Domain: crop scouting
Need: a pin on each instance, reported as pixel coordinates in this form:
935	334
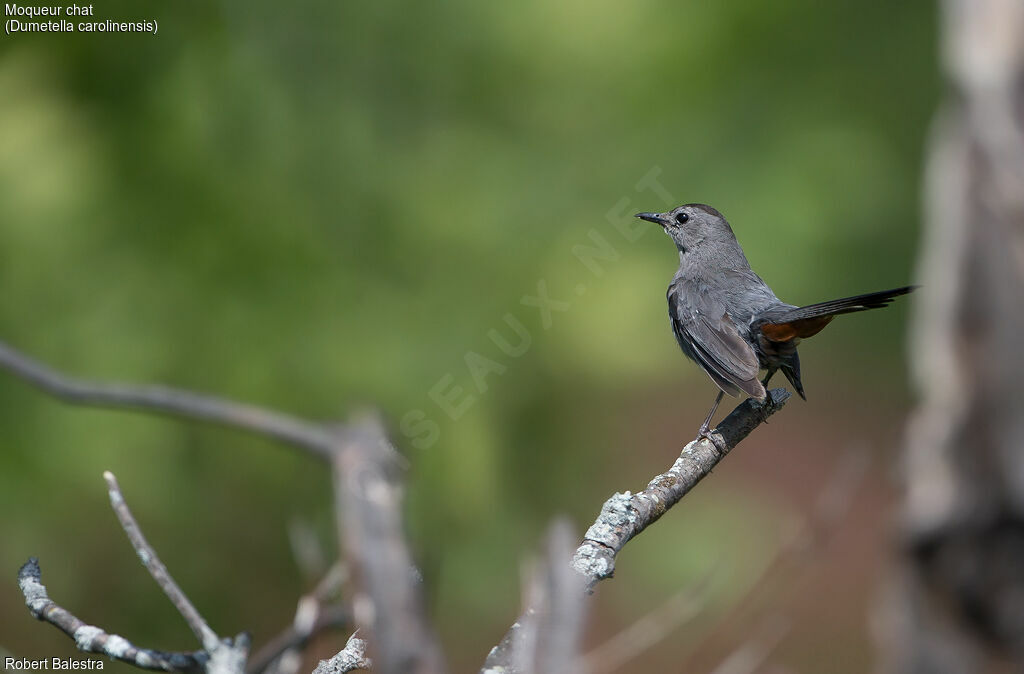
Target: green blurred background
322	206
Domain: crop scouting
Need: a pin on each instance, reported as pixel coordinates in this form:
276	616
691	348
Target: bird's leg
768	396
704	427
764	382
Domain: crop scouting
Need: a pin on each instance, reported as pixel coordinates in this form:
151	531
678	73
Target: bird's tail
808	321
847	305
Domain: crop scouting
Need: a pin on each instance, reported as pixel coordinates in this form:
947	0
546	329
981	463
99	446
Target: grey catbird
726	319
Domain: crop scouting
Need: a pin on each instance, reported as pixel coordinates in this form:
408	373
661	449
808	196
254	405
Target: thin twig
330	617
315	438
207	637
391	587
92	639
311	618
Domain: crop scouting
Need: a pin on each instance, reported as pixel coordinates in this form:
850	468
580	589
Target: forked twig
147	555
92	639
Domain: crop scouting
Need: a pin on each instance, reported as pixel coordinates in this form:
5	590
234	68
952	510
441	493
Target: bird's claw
766	407
705	433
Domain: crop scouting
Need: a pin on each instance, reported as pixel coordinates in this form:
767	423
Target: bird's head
692	225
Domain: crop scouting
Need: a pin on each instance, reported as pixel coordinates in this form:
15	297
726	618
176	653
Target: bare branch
348	659
311	618
625	515
294	638
561	622
221	656
307	549
315	438
799	542
92	639
207	637
368	501
547	636
389	601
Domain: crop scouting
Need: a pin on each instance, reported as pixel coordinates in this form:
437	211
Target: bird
726	318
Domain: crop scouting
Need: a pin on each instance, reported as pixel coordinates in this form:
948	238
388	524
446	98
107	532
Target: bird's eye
681	218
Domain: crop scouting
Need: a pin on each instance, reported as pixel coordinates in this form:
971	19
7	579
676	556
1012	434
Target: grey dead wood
550	630
348	659
389	599
283	653
307	435
92	639
295	639
562	611
219	656
625	515
956	602
147	555
368	500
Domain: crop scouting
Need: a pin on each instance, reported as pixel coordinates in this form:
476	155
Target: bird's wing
707	334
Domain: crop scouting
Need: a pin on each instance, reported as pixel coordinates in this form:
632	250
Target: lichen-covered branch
219	656
625	514
368	496
348	659
92	639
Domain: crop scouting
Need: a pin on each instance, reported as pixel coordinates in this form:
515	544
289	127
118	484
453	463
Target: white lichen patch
35	593
117	647
85	636
617	513
590	563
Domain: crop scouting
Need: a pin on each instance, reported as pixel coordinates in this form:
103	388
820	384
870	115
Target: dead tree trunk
959	606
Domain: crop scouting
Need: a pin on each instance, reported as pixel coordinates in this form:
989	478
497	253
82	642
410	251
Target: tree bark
958	604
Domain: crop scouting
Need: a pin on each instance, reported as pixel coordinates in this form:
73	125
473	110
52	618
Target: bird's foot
705	433
766	407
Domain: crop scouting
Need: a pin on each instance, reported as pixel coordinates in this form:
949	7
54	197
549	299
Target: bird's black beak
652	217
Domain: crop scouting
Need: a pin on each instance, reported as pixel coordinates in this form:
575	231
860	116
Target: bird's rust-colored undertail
806	327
